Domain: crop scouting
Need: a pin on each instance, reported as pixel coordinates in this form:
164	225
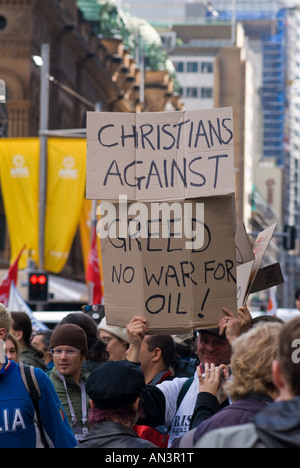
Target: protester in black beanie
115	389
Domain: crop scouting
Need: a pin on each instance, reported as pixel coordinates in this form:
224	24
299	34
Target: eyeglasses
68	352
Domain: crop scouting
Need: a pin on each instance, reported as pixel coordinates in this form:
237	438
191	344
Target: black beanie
115	384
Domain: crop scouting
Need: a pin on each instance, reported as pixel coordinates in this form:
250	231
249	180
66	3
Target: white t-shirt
178	422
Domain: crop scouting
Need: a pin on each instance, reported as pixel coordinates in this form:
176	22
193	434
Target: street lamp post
44	122
233	22
3	114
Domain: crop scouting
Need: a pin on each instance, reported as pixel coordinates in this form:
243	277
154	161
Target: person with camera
250	386
277	424
173	402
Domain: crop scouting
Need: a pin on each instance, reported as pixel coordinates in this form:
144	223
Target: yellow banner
65	194
19	175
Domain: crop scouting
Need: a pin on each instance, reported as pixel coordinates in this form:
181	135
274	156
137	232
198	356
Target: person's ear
136	404
277	375
18	334
156	355
2	333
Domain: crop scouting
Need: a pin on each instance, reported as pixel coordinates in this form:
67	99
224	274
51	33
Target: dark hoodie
278	426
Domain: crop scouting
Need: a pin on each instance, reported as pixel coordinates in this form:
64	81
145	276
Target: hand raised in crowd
209	380
234	326
136	330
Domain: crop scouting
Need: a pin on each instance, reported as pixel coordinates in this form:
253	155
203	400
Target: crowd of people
89	385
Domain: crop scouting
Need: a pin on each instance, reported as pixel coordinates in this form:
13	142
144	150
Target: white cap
119	332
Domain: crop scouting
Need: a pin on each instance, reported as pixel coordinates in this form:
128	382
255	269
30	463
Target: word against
165	173
296	353
158	223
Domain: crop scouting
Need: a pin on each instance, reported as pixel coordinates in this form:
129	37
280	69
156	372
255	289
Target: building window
207	67
2	92
179	67
191	92
3	22
206	93
192	67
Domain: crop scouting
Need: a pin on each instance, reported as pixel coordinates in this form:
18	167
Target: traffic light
38	286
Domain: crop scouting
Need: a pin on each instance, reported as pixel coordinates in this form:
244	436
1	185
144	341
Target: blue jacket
17	415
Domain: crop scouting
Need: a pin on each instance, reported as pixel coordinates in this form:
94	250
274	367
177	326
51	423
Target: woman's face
117	348
10	350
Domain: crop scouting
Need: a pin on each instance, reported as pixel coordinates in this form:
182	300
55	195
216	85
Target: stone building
77	59
86	68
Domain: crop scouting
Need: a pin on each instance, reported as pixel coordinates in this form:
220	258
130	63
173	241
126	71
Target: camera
222	376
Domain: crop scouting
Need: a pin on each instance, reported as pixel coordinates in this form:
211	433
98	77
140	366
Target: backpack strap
30	382
184	391
32	387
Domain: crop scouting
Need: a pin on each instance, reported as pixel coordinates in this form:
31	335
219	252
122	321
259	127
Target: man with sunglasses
68	347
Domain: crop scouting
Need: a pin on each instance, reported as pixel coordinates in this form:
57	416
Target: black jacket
278	426
111	434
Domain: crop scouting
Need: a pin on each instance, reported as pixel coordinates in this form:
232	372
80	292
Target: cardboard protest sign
259	249
245	260
267	277
174	288
250	277
243	273
243	245
160	155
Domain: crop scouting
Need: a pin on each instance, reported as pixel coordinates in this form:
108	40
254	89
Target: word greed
146	226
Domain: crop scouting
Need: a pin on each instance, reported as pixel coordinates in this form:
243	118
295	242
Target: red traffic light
41	279
33	279
38	287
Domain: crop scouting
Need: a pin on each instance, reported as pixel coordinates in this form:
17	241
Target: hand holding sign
136	330
234	326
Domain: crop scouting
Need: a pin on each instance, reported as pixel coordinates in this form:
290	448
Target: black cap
115	384
214	331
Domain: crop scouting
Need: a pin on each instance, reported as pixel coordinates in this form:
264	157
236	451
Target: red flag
93	271
12	275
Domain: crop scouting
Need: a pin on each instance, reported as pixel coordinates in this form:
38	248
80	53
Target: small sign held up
251	277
